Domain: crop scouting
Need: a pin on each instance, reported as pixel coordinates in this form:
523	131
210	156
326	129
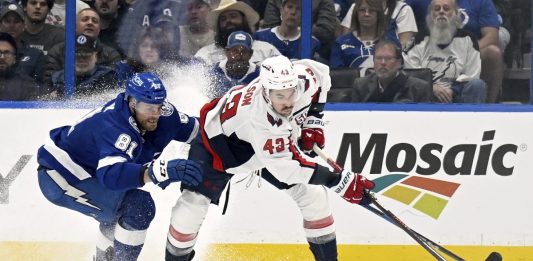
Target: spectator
389	83
196	33
324	21
30	60
37	34
14	85
401	20
236	69
503	7
57	13
110	21
170	28
87	23
91	79
142	14
286	37
452	54
480	18
354	49
228	17
151	51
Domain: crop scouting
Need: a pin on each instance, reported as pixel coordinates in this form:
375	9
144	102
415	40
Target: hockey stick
423	238
429	245
384	212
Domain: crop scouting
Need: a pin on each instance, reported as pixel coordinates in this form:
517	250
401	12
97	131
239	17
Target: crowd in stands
465	44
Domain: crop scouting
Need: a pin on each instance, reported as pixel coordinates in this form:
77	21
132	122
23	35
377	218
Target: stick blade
494	256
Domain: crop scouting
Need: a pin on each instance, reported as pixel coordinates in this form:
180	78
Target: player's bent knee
312	200
138	209
187	217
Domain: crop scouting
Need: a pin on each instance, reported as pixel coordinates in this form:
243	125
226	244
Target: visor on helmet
148	109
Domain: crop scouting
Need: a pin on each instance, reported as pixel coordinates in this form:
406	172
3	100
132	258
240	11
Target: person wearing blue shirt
96	166
236	69
480	18
286	37
354	49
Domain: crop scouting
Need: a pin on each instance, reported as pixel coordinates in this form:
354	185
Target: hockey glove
312	132
352	187
163	172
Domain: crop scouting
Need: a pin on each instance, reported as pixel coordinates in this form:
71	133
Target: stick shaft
427	240
391	216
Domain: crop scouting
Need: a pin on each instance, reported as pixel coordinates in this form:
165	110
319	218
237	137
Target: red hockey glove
312	133
352	187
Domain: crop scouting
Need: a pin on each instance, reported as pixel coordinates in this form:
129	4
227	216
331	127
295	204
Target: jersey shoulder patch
167	109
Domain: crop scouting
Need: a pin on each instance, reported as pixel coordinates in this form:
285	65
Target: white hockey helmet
277	73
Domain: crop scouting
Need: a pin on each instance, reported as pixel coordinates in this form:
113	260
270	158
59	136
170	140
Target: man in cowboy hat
228	17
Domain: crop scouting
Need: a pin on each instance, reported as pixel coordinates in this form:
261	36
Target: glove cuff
312	122
158	171
347	177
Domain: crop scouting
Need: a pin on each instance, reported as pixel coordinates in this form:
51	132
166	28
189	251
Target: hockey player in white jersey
254	129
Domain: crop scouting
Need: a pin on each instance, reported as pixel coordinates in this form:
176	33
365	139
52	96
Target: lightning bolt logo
70	190
78	196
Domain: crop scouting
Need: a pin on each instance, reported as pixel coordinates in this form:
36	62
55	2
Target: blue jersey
349	51
475	14
289	47
107	144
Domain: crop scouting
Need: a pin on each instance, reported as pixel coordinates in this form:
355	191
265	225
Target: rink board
474	213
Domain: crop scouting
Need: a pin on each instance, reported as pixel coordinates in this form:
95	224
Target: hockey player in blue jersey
96	166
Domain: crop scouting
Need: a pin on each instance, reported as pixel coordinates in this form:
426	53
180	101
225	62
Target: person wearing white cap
228	17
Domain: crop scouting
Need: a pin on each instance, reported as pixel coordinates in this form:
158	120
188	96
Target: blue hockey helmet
146	87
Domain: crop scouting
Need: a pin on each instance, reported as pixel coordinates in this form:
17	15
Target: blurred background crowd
439	51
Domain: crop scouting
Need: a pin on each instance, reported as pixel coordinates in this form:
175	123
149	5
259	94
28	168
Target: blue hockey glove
163	172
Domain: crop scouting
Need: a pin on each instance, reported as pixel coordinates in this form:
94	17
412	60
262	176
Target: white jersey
244	134
459	61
